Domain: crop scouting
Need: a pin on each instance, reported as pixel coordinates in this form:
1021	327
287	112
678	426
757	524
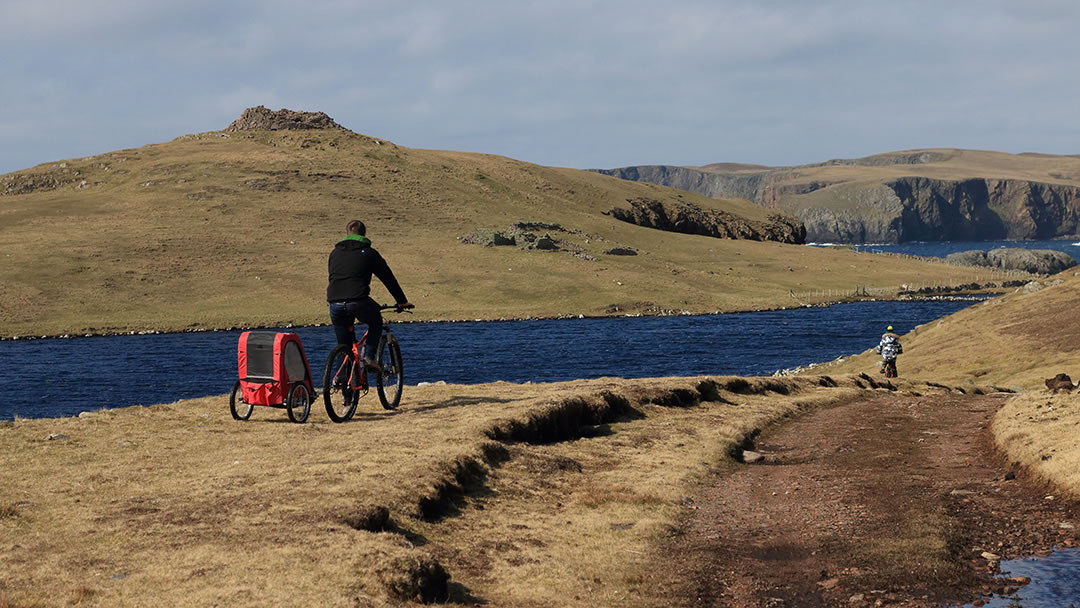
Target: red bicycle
889	368
345	378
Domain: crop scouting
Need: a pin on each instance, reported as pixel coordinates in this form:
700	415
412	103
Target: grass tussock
372	518
403	573
563	420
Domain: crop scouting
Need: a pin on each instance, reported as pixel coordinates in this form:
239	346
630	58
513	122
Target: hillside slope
939	194
232	228
1018	340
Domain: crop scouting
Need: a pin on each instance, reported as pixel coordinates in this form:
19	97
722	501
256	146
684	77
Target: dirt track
890	501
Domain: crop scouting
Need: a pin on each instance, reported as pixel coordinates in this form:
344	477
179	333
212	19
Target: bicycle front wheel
390	378
339	396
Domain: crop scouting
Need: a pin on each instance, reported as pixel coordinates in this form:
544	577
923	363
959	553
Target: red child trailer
273	372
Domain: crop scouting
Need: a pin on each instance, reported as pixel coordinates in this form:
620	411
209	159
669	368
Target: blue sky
573	83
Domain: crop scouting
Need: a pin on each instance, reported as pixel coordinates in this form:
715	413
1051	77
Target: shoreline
560	317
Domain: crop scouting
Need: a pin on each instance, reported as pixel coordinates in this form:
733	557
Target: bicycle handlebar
396	308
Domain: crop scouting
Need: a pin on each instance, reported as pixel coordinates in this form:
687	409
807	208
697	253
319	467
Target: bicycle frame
357	380
355	373
345	377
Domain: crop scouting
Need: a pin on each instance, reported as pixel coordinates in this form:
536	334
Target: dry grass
1016	340
209	231
1039	430
517	491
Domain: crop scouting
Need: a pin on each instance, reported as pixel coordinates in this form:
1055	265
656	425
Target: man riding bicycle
351	264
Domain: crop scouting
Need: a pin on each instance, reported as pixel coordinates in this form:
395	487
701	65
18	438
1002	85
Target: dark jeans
365	311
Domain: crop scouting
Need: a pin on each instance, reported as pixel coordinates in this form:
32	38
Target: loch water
63	377
940	249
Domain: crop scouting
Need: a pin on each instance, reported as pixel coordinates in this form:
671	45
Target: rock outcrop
688	218
520	234
1035	261
1060	382
262	118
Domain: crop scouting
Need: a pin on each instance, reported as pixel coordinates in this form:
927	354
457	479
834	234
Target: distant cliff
923	209
870	200
716	185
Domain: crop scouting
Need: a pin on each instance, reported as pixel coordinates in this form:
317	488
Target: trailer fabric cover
268	362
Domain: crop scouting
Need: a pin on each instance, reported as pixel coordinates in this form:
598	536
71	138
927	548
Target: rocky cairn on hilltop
264	119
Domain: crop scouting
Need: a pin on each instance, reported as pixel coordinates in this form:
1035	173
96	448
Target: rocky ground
907	506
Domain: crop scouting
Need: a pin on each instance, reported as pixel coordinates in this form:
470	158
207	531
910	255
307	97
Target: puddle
1055	582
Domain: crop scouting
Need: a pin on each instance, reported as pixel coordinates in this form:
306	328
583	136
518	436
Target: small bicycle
345	377
889	368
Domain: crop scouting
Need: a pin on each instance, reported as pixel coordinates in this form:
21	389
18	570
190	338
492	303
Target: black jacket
351	264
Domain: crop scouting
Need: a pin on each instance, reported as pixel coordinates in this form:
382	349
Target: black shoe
371	364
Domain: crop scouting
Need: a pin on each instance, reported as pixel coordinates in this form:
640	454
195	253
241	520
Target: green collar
356	237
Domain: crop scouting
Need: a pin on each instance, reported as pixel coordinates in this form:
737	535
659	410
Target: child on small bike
889	347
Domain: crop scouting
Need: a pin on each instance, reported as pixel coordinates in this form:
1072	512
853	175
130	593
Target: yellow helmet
889	328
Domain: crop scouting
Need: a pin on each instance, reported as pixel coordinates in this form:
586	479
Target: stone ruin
1060	382
265	119
521	234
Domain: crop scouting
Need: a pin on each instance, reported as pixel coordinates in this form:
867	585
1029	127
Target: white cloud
570	82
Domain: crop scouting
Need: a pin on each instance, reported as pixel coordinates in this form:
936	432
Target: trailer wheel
298	402
236	398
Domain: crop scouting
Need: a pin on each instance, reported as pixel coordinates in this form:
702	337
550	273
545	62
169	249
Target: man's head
355	227
889	328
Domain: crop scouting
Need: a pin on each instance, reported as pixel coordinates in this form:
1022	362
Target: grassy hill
233	228
1018	339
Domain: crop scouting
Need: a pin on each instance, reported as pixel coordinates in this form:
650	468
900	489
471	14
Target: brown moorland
232	229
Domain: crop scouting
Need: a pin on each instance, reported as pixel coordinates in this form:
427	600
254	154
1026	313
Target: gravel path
900	500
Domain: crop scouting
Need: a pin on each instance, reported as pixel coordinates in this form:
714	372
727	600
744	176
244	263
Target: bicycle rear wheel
390	378
338	395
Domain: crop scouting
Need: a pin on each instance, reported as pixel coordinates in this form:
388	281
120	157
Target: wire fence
998	279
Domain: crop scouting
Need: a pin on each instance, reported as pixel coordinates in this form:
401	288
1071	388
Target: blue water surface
1054	581
940	249
62	377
